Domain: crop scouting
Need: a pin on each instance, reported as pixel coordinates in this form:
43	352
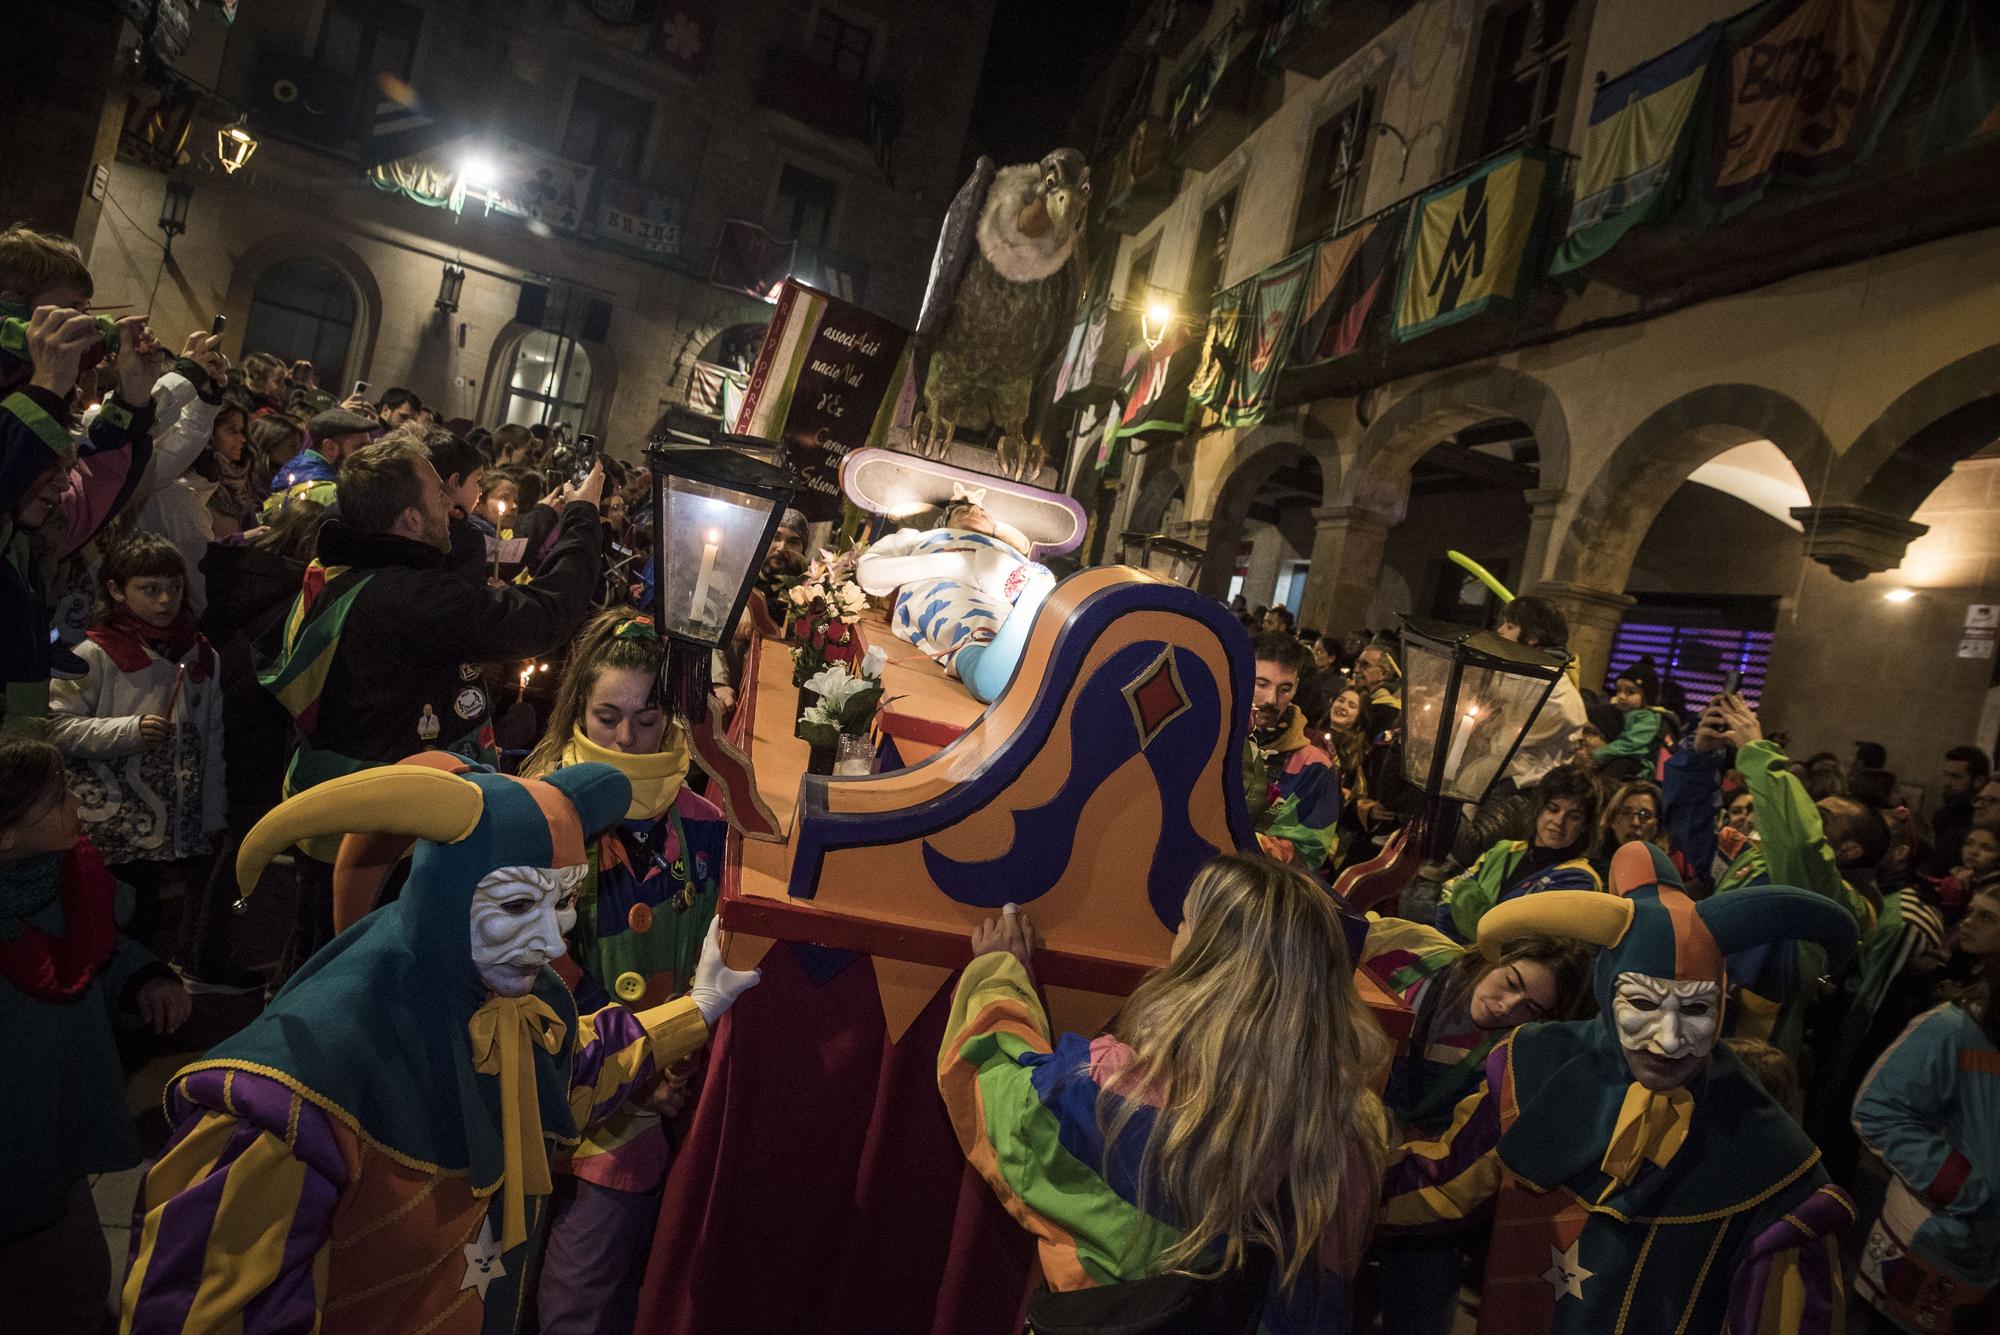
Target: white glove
716	986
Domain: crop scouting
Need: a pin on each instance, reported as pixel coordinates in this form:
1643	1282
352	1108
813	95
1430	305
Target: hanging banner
1635	148
1086	345
1473	244
822	385
1217	368
1352	271
717	391
1801	87
1270	315
1155	387
646	222
541	187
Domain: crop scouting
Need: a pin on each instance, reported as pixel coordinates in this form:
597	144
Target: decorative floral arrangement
824	605
847	701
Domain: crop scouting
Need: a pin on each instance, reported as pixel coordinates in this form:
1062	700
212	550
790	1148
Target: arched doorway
1260	542
304	309
548	381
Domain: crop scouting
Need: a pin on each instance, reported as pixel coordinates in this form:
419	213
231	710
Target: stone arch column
1595	550
1257	454
1445	405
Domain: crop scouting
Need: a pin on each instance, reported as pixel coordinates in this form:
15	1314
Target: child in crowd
143	726
1978	869
1773	1070
645	904
1213	1153
1647	731
65	975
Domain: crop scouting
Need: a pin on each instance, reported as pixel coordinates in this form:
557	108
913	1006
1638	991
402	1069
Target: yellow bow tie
501	1031
1652	1124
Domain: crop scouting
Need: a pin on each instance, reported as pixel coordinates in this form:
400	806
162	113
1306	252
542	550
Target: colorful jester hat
389	1028
1583	1119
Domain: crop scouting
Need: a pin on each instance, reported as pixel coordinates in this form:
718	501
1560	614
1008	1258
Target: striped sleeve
231	1225
1788	1282
1453	1176
619	1052
1024	1111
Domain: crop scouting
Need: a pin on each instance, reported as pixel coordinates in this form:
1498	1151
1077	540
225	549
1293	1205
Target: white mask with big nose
520	916
1665	1016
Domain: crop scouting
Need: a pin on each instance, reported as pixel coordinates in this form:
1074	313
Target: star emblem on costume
482	1261
1565	1273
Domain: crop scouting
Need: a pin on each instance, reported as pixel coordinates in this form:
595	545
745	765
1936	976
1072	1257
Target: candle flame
715	535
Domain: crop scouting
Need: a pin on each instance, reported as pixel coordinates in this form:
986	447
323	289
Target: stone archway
327	248
1443	406
1615	512
1258	454
1902	456
1161	482
1594	557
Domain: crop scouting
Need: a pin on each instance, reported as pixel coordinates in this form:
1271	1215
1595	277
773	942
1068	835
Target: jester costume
1621	1208
1504	872
1293	792
1447	1056
1025	1105
373	1152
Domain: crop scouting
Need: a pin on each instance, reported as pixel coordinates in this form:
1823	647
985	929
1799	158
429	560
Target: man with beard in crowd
1291	786
381	647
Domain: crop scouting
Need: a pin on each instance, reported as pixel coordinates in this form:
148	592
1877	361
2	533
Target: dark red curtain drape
820	1187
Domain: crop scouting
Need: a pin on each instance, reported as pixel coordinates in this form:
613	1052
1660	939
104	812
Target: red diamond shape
1156	697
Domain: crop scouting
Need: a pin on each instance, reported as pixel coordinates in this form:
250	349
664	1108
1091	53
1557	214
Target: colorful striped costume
273	1208
1295	794
1025	1107
1619	1207
1415	962
1499	876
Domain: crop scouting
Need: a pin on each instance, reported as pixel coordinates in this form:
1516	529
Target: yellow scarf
501	1031
656	779
1651	1125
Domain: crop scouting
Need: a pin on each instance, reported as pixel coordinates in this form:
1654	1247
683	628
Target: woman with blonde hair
1635	811
648	895
1209	1163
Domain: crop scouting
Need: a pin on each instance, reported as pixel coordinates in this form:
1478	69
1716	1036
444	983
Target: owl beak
1058	203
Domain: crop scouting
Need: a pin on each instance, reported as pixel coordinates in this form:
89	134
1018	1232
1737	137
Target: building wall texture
1837	367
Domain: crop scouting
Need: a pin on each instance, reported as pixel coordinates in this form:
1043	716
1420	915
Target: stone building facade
1773	433
838	124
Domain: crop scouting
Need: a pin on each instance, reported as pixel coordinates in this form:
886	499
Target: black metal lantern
450	286
1167	557
174	208
1469	697
715	509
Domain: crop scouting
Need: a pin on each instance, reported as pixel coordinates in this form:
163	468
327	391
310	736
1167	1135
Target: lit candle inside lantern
1460	735
702	580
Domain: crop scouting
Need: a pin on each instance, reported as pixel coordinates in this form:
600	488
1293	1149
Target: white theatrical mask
520	916
1667	1027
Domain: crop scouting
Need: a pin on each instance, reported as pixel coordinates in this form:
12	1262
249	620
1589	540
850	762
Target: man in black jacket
382	647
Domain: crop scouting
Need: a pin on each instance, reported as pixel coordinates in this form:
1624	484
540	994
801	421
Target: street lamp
715	510
450	286
1157	317
1469	696
174	208
233	147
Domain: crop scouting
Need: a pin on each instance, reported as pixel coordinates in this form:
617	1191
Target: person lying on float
1638	1176
372	1153
965	590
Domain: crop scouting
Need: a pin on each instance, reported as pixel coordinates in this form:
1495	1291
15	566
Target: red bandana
52	968
126	639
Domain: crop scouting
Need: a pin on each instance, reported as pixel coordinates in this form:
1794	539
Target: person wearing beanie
311	473
1647	729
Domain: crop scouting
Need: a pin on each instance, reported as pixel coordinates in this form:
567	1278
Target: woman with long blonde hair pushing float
1208	1165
